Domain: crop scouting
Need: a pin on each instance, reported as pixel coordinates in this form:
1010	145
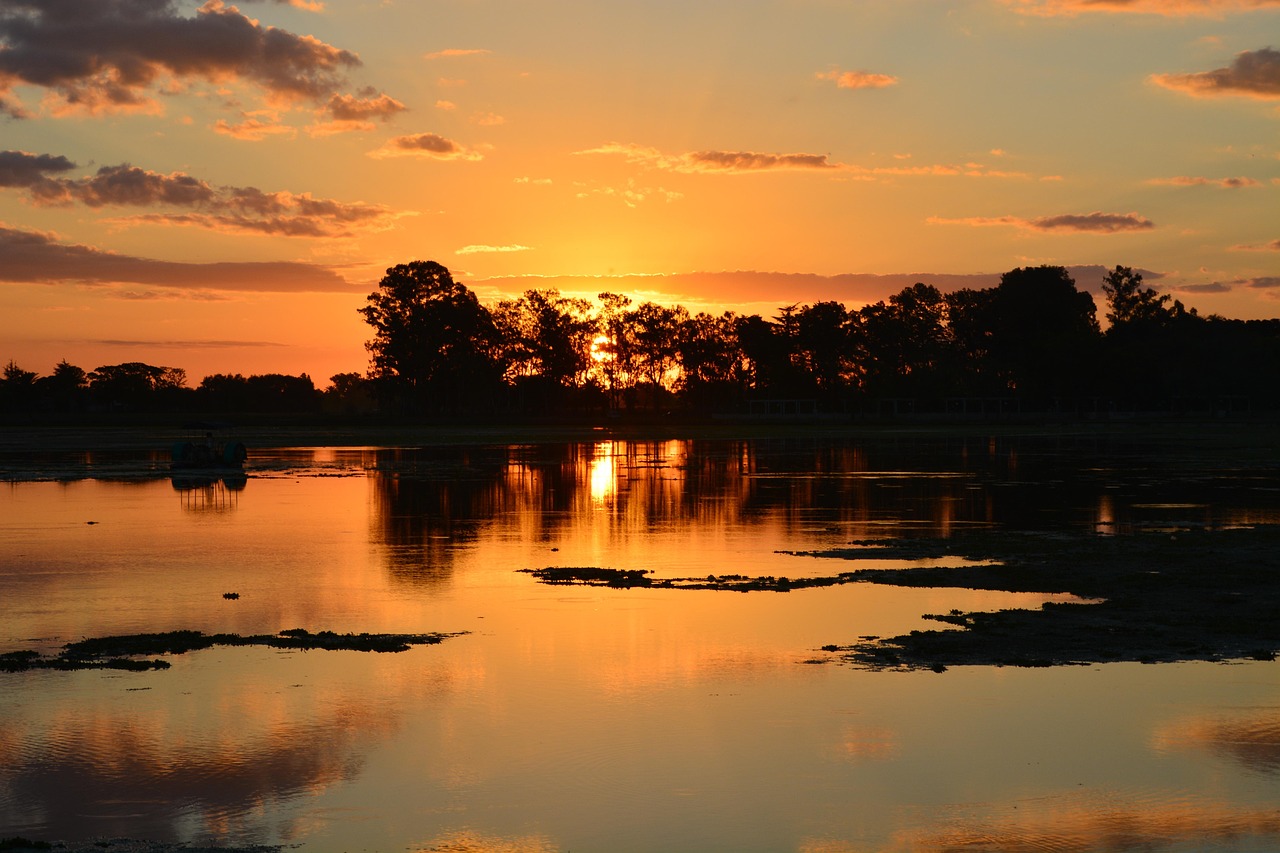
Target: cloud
1263	282
425	145
1188	181
356	112
1168	8
858	79
1252	74
479	250
253	129
734	289
1096	222
220	208
102	56
1273	246
452	52
631	195
741	162
22	169
714	161
39	257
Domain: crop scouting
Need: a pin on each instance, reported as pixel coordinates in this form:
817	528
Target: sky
218	187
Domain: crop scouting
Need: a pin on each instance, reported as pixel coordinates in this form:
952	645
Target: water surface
578	718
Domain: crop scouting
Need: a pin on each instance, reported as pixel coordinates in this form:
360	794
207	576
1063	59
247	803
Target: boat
208	452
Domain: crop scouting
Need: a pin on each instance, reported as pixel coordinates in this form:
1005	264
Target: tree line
1031	343
136	387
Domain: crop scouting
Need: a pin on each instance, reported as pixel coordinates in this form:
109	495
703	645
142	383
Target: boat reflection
207	492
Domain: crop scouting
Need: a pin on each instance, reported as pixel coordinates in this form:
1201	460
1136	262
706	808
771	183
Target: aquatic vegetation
1203	594
1210	595
121	652
631	578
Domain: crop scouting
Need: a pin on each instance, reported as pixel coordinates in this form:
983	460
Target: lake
583	718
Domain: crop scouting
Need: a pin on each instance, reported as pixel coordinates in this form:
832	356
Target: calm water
583	719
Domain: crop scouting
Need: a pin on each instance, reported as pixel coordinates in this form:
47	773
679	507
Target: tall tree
434	346
1044	334
1129	303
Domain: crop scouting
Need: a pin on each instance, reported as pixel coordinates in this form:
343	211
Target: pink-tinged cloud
1252	74
1095	223
253	129
431	145
454	52
309	5
1167	8
102	56
220	208
1197	181
38	257
858	79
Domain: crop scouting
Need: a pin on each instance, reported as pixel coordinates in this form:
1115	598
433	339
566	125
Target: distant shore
142	434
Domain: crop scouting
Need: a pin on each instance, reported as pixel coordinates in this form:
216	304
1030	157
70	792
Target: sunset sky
217	187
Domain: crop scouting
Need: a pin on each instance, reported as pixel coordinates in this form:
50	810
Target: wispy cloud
1096	222
857	79
255	127
40	257
632	195
1273	246
744	162
1196	181
431	145
220	208
1270	283
1167	8
98	57
1252	74
714	161
483	250
453	52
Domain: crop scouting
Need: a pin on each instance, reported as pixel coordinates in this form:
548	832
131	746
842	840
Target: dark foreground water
572	718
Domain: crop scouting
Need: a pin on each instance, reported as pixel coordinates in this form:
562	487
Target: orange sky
217	187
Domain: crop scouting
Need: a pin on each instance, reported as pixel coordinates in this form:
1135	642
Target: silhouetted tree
136	386
615	352
905	346
710	361
548	335
767	355
654	331
17	388
269	392
1045	332
65	389
1129	303
822	347
349	393
434	346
